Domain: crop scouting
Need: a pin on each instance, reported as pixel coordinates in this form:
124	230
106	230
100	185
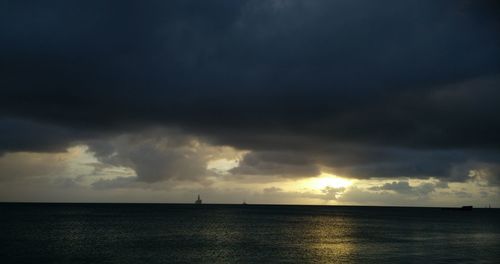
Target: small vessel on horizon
198	201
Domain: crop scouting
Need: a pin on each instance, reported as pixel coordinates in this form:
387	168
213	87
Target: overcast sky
269	101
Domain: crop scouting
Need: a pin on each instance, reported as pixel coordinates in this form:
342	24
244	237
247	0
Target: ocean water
169	233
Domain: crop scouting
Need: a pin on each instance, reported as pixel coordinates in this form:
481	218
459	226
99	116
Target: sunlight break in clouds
326	180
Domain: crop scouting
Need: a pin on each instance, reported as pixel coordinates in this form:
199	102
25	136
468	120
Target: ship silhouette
198	201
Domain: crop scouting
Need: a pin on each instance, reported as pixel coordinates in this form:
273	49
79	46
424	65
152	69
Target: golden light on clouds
326	180
222	165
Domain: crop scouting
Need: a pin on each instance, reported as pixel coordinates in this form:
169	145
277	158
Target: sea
185	233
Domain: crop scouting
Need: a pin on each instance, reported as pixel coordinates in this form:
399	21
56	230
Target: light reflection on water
331	239
245	234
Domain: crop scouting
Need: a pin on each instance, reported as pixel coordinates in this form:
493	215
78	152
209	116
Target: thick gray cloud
403	187
365	89
286	164
155	156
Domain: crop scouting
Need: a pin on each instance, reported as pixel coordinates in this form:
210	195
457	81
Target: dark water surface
164	233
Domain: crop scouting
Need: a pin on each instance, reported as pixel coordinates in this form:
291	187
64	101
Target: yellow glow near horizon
327	180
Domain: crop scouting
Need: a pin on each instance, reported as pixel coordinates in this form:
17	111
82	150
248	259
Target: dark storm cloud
410	86
284	164
22	135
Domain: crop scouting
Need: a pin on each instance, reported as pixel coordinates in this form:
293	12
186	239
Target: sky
327	102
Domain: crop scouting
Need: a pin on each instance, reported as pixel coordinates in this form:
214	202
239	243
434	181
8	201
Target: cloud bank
360	89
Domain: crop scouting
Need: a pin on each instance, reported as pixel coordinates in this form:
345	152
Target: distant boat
244	203
198	201
463	208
